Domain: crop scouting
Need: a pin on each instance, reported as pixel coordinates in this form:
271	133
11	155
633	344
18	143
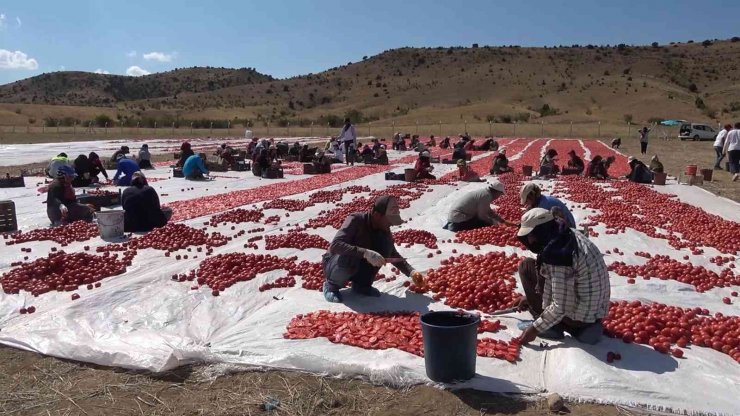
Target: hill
697	81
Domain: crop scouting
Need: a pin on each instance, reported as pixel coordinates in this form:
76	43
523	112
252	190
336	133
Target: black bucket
450	345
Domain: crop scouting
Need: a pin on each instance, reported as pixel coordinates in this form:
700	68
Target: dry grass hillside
696	81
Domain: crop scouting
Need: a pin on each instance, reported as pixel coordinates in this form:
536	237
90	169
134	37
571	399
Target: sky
288	38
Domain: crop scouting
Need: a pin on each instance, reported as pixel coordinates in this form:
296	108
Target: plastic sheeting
144	320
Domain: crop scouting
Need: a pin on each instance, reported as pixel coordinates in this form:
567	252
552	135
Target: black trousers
643	147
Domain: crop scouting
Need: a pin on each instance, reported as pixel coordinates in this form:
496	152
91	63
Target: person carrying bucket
567	286
361	247
142	211
61	193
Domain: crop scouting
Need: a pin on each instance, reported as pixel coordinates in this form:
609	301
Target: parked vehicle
696	131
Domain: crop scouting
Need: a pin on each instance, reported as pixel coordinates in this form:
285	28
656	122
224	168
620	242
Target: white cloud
16	60
135	71
3	25
131	54
159	56
18	21
103	72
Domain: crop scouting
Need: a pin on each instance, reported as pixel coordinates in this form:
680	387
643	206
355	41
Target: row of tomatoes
295	239
64	235
665	268
411	236
662	326
63	272
380	331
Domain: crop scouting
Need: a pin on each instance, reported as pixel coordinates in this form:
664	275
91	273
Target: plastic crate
8	220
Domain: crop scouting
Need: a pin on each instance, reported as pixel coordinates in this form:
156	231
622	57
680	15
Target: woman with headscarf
423	166
547	164
500	163
83	168
142	211
96	166
145	158
185	152
61	193
656	166
465	174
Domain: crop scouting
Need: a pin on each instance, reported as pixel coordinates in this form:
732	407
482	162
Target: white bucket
110	223
248	134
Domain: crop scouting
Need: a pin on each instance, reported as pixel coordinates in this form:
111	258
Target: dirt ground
676	154
31	384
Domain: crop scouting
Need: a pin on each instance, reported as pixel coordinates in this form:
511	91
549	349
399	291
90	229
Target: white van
695	131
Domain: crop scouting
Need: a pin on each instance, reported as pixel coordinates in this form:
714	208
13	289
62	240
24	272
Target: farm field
233	283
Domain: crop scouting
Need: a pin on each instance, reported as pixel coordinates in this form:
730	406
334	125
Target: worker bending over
473	210
639	173
567	286
56	162
60	193
500	163
361	247
656	166
194	168
127	167
531	197
140	203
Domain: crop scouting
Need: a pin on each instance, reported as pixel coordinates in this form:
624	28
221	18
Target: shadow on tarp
487	402
413	302
635	357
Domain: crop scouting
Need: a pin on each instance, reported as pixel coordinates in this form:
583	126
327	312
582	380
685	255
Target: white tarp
144	320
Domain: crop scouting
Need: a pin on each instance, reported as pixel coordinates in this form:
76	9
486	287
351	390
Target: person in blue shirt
127	167
194	168
531	197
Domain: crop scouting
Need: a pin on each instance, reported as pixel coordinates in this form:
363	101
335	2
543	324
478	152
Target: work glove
417	278
374	258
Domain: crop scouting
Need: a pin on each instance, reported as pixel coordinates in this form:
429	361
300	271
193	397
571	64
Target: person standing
361	247
644	140
567	286
348	139
732	150
719	146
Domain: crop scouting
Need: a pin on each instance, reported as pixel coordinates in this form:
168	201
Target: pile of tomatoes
492	348
62	272
176	236
286	281
287	204
237	216
484	282
312	274
410	237
224	270
662	326
297	240
497	235
666	268
64	235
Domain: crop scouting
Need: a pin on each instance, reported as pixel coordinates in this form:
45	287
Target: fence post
268	128
228	128
440	128
465	123
571	129
394	127
191	127
490	126
57	127
542	128
311	129
599	136
173	127
211	128
327	127
629	128
515	123
12	130
369	123
417	127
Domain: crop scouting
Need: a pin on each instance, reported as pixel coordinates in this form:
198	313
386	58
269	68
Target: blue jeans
720	156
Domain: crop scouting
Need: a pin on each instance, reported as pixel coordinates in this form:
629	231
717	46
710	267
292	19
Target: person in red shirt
465	173
423	166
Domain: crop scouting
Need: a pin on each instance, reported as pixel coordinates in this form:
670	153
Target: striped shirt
580	292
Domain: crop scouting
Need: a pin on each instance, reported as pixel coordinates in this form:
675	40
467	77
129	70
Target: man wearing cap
473	210
575	164
423	167
60	193
361	247
531	197
567	286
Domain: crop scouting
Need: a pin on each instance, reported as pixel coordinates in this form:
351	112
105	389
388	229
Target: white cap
527	189
630	159
496	185
533	218
425	154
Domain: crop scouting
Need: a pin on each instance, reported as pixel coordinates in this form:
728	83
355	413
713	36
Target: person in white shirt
732	150
719	145
348	139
